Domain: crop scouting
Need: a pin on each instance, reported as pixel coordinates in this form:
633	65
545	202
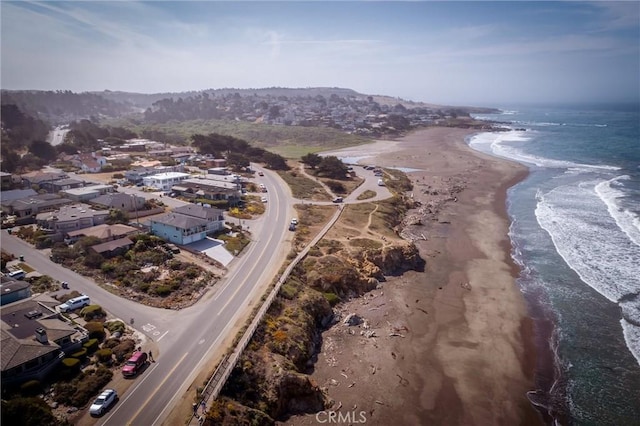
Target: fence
223	371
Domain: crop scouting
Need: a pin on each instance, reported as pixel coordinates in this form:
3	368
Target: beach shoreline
453	344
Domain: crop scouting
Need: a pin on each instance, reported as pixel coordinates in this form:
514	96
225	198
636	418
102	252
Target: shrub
288	291
332	298
162	290
91	311
71	362
27	412
80	354
31	388
336	187
91	345
95	330
81	389
114	326
124	349
104	355
111	343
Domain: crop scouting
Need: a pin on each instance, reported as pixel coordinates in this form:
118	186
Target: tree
332	167
275	161
117	216
311	159
43	150
28	412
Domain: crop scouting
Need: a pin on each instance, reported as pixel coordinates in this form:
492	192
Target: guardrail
214	386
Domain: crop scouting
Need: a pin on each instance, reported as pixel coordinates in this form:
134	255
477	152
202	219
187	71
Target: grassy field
288	141
302	187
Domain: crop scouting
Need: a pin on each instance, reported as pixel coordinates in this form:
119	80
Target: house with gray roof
179	228
72	217
34	339
214	217
28	207
119	201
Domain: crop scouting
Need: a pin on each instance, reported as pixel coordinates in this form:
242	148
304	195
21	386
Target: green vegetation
83	387
399	182
28	412
238	152
42	284
365	243
289	141
153	282
367	194
234	243
302	187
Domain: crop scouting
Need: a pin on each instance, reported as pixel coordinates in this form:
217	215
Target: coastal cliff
270	381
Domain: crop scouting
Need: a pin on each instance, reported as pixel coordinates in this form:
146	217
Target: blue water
576	235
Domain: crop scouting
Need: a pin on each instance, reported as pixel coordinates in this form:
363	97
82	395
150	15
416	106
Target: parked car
102	403
134	364
292	227
337	200
294	221
263	199
75	303
18	274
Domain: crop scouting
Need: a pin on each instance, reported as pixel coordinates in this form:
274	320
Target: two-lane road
196	332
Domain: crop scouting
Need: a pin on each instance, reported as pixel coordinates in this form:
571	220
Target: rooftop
168	175
180	221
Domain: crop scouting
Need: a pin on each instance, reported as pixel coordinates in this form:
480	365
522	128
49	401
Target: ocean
575	232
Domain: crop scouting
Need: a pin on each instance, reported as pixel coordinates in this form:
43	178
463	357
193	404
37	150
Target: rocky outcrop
395	259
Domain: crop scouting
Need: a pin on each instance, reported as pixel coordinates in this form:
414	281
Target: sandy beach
452	345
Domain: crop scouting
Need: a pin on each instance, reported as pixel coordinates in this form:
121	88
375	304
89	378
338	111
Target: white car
264	199
294	221
102	403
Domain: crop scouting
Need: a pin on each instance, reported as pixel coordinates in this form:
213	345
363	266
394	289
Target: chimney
41	335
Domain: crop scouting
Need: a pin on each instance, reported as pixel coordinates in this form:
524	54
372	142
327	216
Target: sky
455	53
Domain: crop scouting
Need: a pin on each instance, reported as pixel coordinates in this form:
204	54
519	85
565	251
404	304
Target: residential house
72	217
90	163
120	201
34	339
6	180
12	290
113	248
135	175
87	193
209	189
16	194
103	232
164	181
62	185
41	178
187	224
214	217
29	207
179	228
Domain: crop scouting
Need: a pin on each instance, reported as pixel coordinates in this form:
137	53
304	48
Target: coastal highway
197	331
187	338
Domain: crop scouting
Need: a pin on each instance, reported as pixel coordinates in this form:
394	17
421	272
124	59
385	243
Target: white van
18	274
75	303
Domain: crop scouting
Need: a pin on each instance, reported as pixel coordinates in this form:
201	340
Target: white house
164	181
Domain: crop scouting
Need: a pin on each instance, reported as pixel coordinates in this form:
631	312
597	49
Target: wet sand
452	345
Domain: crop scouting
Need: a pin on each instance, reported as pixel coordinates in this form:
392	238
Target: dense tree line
24	145
62	106
239	153
87	136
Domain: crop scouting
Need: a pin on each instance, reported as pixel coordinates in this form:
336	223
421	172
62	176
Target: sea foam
593	244
626	220
589	239
504	144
